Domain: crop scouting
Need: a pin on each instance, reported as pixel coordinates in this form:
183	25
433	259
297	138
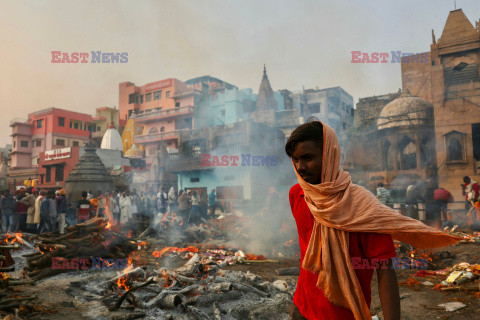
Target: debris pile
62	253
199	289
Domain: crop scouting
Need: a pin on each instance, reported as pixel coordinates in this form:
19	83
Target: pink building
45	130
163	108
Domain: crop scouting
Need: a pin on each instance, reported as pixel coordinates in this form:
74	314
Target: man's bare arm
388	291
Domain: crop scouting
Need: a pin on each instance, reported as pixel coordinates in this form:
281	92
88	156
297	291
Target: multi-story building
44	130
333	106
449	77
162	108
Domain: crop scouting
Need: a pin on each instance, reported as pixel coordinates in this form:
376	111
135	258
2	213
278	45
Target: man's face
307	159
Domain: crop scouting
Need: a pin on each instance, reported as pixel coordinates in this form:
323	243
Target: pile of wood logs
197	290
91	239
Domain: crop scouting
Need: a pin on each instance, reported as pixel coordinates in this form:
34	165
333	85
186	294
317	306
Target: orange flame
164	251
122	283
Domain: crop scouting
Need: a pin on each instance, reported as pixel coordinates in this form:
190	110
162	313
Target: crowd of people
37	211
432	198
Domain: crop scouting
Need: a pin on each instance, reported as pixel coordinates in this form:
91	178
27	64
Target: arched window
153	130
408	152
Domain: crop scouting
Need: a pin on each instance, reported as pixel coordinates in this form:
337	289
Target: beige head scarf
340	207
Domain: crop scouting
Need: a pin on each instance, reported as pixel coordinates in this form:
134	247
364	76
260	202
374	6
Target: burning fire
12	238
250	256
164	251
122	283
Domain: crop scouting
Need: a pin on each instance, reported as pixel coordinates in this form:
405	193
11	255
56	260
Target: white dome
112	140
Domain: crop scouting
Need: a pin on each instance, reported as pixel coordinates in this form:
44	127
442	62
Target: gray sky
303	43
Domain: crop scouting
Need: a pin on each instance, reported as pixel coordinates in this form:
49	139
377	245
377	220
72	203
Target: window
59	173
98	128
75	125
162	129
75	144
455	145
48	173
132	98
157	95
38	143
60	142
194	179
177	104
141	98
61	121
24	144
14	143
167	94
153	130
39	123
148	97
151	151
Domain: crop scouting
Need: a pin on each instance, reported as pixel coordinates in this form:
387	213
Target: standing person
7	204
194	213
432	211
411	200
442	197
143	205
337	222
183	206
203	205
212	201
115	207
172	200
21	212
61	210
470	190
29	201
101	203
125	208
135	204
38	203
45	210
162	201
53	209
84	208
383	194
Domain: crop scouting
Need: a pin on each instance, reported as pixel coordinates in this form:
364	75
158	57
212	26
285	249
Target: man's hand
388	291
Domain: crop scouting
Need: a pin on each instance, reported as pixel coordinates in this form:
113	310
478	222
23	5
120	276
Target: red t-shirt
309	299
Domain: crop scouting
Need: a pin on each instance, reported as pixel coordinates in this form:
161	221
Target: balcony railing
161	114
157	136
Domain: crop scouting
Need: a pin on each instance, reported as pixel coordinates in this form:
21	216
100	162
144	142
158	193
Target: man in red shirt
305	148
344	233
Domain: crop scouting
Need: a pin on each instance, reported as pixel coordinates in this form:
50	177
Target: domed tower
406	138
112	139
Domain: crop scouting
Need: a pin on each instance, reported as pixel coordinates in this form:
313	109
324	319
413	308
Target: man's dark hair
466	179
84	194
380	185
310	131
